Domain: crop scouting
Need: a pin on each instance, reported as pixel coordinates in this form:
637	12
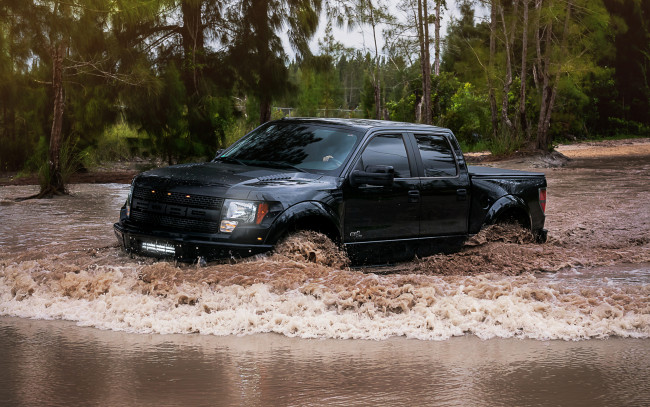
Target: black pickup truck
382	190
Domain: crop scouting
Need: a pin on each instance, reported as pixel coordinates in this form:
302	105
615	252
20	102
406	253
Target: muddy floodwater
503	322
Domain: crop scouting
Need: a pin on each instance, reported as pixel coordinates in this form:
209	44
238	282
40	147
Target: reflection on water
56	363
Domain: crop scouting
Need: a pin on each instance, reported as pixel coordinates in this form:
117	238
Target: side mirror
378	175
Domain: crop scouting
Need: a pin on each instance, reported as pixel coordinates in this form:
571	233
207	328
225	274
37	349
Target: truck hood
230	180
205	174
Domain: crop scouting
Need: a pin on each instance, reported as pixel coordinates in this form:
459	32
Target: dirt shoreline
591	149
634	147
90	177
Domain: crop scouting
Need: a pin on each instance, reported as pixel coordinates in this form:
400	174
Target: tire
307	246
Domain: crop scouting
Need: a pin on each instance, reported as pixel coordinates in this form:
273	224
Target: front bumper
181	247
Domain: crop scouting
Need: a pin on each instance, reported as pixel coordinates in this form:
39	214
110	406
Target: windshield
303	146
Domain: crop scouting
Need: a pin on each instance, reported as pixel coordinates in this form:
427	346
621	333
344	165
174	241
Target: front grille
175	223
178	198
175	211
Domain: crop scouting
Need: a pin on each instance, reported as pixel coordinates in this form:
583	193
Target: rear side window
386	150
437	157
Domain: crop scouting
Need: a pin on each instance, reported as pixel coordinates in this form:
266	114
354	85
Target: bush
70	159
505	144
622	127
468	115
115	143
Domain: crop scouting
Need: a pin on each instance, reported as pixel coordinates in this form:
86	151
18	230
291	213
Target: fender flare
323	216
505	204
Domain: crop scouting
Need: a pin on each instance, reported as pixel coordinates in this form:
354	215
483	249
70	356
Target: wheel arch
509	209
311	215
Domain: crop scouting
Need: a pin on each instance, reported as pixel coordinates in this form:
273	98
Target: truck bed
476	171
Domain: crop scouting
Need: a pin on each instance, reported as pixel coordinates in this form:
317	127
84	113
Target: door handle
461	194
414	195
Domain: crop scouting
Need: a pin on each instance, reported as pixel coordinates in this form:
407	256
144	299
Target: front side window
437	156
386	150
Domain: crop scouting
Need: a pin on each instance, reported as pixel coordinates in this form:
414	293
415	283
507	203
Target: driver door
381	213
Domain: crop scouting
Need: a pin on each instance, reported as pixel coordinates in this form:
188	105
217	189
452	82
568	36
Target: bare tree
490	70
56	183
436	61
425	60
376	81
549	87
523	121
508	40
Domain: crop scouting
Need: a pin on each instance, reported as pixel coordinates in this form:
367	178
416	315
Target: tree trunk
505	118
491	96
426	92
436	63
537	65
543	71
420	28
55	184
265	110
193	42
376	82
377	99
425	62
523	122
550	92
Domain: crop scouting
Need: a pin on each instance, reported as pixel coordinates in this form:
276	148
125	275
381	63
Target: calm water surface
58	363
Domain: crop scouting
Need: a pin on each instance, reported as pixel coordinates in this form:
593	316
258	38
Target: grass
477	147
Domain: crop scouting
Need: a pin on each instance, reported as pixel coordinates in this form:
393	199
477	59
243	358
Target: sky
361	37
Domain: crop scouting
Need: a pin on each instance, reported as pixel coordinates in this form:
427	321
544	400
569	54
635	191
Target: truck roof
365	124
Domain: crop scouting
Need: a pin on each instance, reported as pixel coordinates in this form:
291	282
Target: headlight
129	198
236	212
244	211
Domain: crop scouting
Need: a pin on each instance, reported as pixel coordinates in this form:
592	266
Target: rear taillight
542	199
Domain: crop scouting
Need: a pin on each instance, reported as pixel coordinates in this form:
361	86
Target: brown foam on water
488	289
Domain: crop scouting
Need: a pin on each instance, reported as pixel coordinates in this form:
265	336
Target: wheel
311	247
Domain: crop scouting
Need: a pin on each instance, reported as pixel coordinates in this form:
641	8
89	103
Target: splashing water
314	301
592	280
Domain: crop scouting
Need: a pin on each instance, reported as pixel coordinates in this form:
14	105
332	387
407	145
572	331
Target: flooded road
503	322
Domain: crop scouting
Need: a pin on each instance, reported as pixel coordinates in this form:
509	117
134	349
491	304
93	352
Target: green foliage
479	146
139	81
256	52
38	158
468	115
118	142
443	89
465	51
320	89
237	130
71	160
628	127
402	110
367	104
504	144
